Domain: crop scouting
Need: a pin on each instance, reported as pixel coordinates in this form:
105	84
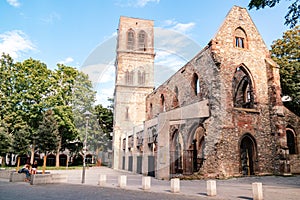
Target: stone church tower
134	78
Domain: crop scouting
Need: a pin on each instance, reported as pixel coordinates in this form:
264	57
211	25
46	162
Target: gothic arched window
240	38
141	77
243	95
142	38
130	39
129	77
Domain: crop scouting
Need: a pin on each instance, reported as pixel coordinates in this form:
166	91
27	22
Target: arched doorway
247	154
176	153
291	141
51	160
63	159
196	149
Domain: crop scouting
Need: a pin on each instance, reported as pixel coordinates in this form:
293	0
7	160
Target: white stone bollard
257	191
211	188
175	185
146	182
102	180
122	181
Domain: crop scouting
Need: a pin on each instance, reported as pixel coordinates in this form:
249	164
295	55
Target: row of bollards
211	187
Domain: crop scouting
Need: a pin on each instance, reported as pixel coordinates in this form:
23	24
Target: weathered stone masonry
220	115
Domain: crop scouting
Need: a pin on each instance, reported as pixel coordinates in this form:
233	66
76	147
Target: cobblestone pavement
274	187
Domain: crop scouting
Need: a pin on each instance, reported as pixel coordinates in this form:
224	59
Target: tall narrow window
196	84
128	77
127	113
141	77
130	40
162	103
243	95
175	98
151	109
142	41
240	38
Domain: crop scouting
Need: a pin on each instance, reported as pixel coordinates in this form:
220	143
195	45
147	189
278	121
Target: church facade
220	115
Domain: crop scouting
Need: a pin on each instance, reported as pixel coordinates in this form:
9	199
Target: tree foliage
28	90
286	53
291	18
48	133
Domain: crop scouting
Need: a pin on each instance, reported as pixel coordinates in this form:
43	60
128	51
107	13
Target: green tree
105	121
73	94
33	80
47	134
291	18
286	53
5	141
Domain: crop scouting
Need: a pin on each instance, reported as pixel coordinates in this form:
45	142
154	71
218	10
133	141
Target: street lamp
87	117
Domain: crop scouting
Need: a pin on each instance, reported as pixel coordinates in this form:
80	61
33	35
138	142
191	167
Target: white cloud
183	28
103	94
14	3
100	73
66	61
51	18
179	27
15	43
142	3
135	3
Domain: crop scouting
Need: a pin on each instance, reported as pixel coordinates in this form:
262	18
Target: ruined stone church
220	115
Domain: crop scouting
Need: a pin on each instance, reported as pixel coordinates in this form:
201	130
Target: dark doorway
130	163
290	139
63	159
51	160
139	164
248	154
123	162
151	166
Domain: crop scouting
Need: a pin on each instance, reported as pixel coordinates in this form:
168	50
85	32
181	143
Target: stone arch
129	76
291	140
248	154
243	88
196	142
176	152
240	38
142	40
141	76
130	39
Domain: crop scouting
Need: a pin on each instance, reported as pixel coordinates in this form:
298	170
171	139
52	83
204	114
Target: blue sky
65	31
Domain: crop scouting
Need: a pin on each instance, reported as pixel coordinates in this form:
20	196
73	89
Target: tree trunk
18	164
44	165
57	153
32	153
3	163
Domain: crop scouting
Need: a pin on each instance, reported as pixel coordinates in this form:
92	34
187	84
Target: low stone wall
48	178
17	177
5	173
295	163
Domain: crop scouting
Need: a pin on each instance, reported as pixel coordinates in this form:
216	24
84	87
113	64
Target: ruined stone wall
293	122
239	121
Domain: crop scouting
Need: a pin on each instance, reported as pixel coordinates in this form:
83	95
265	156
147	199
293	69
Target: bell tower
134	78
